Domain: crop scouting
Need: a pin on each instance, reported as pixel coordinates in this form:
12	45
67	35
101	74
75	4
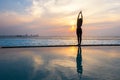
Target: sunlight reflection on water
61	63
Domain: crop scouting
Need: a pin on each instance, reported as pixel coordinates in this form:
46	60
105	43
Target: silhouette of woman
79	29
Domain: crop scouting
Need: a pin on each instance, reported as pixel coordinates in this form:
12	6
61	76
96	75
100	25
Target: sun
72	26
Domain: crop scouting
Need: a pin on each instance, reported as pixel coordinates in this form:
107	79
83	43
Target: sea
55	40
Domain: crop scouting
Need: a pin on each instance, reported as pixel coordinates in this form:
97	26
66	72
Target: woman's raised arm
79	15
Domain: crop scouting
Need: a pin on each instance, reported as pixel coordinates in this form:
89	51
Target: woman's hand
79	14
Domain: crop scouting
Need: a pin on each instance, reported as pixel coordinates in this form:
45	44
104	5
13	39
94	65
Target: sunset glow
73	28
50	17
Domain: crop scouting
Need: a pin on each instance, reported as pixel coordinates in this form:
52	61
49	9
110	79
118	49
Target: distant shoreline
19	35
62	37
38	37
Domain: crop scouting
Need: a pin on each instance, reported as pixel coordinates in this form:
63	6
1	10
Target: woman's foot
78	44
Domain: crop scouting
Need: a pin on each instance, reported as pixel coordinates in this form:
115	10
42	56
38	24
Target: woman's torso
79	23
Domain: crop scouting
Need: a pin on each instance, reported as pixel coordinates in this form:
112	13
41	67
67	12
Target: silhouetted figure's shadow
79	62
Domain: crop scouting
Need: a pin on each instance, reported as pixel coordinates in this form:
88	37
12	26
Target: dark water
61	63
44	41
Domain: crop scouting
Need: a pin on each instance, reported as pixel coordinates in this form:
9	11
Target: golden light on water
73	49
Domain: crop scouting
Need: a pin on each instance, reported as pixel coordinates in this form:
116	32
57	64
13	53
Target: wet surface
60	63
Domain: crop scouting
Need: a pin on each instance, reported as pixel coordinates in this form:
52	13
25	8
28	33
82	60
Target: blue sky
14	5
53	17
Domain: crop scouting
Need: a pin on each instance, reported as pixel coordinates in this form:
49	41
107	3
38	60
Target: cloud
14	19
35	10
55	16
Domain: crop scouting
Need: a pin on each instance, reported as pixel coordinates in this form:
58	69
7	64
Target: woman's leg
80	36
78	39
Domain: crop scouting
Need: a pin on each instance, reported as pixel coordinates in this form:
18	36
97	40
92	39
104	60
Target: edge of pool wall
59	46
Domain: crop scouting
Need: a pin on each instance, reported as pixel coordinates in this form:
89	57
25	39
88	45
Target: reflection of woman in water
79	29
79	62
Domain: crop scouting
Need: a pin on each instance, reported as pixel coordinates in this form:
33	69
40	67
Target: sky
58	17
